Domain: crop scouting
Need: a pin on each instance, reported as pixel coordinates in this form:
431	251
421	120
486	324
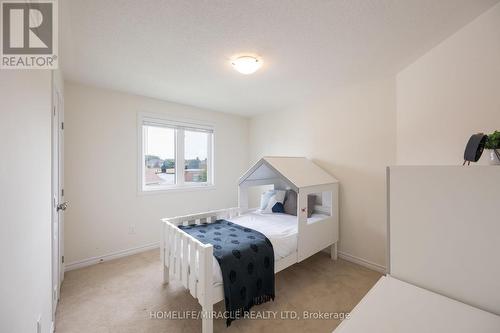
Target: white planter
493	157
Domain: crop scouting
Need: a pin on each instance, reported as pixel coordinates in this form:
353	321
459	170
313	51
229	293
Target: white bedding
394	306
280	229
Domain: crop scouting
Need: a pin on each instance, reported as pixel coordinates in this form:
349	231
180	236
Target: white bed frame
190	261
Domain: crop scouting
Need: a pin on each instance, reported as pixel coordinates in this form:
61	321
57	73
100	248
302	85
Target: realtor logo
29	34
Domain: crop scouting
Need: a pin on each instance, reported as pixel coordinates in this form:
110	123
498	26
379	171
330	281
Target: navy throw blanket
246	259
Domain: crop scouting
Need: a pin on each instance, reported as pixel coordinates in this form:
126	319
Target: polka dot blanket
246	259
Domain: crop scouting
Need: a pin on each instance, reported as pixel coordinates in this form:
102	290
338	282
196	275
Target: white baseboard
362	262
109	256
139	249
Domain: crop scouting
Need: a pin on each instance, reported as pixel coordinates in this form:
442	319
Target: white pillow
264	198
278	196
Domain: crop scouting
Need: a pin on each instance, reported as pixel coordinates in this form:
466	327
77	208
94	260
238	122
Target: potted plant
493	145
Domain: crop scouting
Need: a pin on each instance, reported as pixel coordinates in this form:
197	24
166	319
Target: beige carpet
119	296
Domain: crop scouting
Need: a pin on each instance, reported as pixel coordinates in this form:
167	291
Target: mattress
396	306
280	229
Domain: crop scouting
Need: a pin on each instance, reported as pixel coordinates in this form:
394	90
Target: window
175	154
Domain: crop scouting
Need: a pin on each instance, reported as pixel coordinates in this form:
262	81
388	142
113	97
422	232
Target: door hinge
62	259
54	111
62	192
62	125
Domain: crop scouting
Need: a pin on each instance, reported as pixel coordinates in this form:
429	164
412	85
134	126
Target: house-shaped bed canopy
306	178
297	172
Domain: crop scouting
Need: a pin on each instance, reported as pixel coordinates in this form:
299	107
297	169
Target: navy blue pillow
278	208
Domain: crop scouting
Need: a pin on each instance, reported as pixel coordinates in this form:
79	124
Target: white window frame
180	125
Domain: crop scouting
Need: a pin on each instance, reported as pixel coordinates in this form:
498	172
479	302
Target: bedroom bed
293	238
280	229
443	246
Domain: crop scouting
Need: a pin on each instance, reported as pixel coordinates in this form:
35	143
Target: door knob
62	206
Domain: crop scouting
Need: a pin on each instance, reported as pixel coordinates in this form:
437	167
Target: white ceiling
179	50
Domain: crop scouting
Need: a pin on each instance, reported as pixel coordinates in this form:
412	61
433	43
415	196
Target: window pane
195	156
159	156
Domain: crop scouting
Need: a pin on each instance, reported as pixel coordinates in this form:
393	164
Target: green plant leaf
493	141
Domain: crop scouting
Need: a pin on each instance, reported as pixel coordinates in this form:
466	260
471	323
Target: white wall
450	93
25	191
351	134
101	171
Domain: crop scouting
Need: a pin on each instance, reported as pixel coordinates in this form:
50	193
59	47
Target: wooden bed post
206	280
164	251
207	324
334	212
301	222
243	197
166	277
333	251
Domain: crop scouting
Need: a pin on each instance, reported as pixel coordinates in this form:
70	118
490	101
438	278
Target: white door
58	204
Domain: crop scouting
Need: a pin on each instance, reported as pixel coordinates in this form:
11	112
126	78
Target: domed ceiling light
246	64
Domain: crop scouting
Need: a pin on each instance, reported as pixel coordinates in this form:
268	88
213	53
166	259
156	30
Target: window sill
167	190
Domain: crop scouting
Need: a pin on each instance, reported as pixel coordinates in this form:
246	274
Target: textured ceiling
179	50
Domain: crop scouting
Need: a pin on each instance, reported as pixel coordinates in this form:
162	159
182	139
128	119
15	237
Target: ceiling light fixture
246	64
